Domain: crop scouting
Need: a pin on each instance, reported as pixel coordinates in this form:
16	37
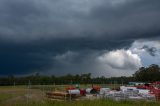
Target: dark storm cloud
110	19
20	58
151	50
34	32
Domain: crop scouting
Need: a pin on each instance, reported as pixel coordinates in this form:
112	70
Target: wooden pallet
60	96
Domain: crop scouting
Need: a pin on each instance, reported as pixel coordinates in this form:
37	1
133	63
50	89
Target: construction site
146	94
137	91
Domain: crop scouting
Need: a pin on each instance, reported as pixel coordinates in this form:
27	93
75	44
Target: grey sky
34	34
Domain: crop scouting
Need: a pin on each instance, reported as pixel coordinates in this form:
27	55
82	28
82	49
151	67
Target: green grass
7	95
9	92
90	103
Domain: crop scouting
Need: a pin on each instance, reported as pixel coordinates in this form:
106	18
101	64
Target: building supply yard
87	95
152	93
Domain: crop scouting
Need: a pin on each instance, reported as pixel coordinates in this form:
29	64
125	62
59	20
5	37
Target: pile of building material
140	92
131	93
58	95
74	93
104	91
71	95
158	97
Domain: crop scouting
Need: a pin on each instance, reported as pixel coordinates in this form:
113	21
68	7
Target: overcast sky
57	37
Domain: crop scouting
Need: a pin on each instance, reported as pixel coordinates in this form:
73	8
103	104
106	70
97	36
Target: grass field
22	96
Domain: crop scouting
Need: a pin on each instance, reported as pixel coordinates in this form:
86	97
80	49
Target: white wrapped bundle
88	90
143	91
135	97
76	92
126	89
104	90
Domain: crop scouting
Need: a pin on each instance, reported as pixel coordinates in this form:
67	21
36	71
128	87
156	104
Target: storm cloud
64	36
151	50
114	19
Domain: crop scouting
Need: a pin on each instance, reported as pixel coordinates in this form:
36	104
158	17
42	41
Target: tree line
144	74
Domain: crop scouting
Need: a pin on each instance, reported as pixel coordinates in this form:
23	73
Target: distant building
136	83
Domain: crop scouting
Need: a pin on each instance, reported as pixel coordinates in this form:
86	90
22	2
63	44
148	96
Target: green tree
148	74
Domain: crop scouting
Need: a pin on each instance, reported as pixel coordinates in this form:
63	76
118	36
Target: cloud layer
78	36
113	63
149	51
121	59
113	19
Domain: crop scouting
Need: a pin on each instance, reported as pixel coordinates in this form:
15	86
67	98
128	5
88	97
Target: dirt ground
12	95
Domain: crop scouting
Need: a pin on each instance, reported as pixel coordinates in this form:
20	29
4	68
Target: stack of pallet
59	95
157	95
